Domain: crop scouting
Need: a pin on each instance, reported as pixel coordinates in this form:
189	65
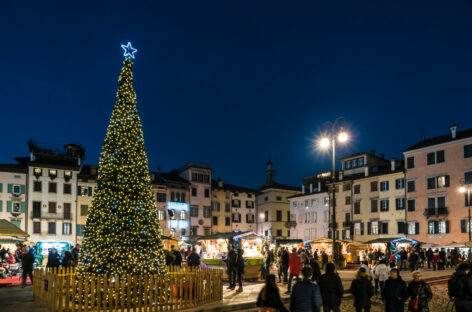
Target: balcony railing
55	216
438	211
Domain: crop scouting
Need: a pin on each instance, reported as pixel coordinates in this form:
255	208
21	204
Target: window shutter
447	180
90	191
463	226
78	229
23	189
368	228
22	207
1	188
165	214
1	206
8	206
417	228
79	190
386	228
447	226
362	228
10	188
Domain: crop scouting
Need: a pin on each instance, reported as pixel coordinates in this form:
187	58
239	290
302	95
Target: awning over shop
384	240
9	229
324	240
248	236
288	241
454	245
227	235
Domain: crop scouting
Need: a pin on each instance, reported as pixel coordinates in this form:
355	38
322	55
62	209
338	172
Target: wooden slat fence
62	290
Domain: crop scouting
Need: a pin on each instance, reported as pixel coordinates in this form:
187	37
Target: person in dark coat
362	290
418	288
285	262
170	258
394	293
54	260
67	261
305	295
331	289
269	296
193	259
429	257
463	287
27	261
316	270
240	268
177	254
231	265
75	254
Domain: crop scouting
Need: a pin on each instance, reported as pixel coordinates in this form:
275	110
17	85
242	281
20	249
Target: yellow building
86	182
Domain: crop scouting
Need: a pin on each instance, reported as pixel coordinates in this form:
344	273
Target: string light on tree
122	234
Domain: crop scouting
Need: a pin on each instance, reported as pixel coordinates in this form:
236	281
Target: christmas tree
122	234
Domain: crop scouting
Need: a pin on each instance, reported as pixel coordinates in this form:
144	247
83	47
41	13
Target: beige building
86	182
233	208
273	207
435	169
13	194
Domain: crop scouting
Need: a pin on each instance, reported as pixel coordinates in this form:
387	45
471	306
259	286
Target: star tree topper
129	50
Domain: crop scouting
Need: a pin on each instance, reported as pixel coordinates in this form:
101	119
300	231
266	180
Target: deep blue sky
228	83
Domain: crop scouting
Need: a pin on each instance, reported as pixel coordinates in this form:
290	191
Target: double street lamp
465	188
329	138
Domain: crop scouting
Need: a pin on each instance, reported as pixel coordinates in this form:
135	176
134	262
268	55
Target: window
182	232
383	227
52	207
313	202
307	203
288	216
236	217
37	227
438	227
374	205
249	218
207	193
435	158
357	207
66	228
236	203
161	197
401	227
227	195
354	163
216	206
468	151
52	173
373	186
67	175
399	184
464	226
206	211
194	177
294	204
249	204
279	198
346	187
160	215
374	228
182	198
266	233
171	213
215	220
400	203
384	205
411	205
207	230
358	228
194	191
279	215
384	186
326	201
83	210
235	194
347	164
326	216
347	200
194	211
266	216
410	186
36	209
52	187
172	196
313	217
37	172
410	162
413	228
37	186
51	227
227	221
279	232
227	207
193	230
360	162
67	188
183	215
357	189
438	182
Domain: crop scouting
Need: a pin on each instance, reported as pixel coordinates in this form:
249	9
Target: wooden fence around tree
62	290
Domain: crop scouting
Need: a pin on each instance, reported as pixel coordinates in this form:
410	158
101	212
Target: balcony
347	224
290	224
53	216
438	211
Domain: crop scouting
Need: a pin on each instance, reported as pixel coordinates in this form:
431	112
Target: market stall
355	249
169	241
326	245
11	235
42	250
215	249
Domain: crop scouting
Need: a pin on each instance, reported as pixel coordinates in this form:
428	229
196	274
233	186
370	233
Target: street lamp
329	138
463	189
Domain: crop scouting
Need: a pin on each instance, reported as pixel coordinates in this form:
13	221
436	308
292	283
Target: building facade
86	183
435	169
13	194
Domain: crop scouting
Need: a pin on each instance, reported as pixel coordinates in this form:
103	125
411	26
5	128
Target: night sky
230	83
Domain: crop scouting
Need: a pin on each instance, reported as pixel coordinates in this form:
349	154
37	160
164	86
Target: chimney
311	187
453	131
372	152
340	175
366	170
220	183
159	170
392	164
303	189
319	187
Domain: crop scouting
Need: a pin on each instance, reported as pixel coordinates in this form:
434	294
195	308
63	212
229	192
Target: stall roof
288	241
9	229
324	240
382	240
226	235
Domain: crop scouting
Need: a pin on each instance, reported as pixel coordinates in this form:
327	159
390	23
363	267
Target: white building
311	214
13	194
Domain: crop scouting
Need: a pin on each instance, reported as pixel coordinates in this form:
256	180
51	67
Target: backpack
453	286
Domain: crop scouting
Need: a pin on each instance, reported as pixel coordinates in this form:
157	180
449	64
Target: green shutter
10	188
22	207
1	205
23	189
90	191
8	206
79	190
79	229
1	188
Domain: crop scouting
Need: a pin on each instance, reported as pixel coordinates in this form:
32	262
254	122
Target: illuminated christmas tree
122	235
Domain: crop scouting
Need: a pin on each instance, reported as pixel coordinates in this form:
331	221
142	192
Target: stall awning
288	241
324	240
454	245
9	229
227	235
383	240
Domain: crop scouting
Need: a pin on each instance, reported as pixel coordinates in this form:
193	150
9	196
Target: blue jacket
305	297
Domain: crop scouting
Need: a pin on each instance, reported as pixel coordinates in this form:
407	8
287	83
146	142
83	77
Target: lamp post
329	138
463	189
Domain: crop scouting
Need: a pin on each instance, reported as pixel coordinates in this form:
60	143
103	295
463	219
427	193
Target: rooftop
230	187
440	140
17	168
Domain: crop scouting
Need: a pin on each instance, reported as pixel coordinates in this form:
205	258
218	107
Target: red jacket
294	263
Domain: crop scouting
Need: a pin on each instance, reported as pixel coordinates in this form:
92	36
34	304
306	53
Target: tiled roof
230	187
440	140
18	168
280	187
165	178
86	172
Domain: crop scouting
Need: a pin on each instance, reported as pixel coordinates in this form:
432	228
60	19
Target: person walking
362	290
67	261
375	278
315	269
177	254
53	259
269	296
324	259
395	292
279	264
193	259
231	266
460	288
442	261
268	260
429	257
27	261
331	289
305	295
240	269
436	259
403	259
294	264
419	293
285	262
365	266
75	255
413	260
381	273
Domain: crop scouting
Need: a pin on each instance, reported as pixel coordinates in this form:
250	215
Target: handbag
414	304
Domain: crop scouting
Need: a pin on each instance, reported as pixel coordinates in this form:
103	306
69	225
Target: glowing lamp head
342	136
324	142
462	189
262	215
